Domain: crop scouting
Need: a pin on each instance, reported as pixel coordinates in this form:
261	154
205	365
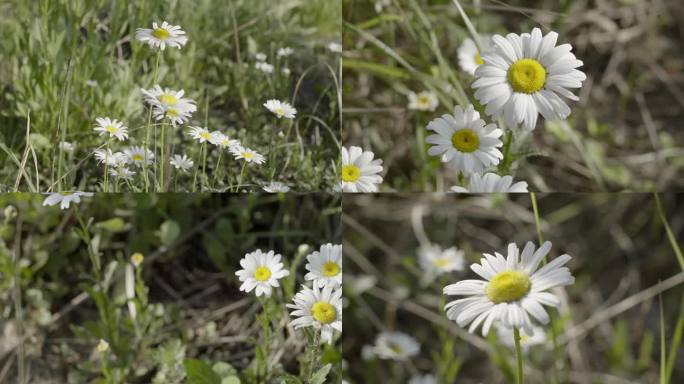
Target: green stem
537	223
106	169
668	230
518	355
194	177
94	258
218	167
204	163
242	172
505	166
313	360
163	158
149	122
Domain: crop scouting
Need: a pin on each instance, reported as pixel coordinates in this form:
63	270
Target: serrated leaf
200	372
320	375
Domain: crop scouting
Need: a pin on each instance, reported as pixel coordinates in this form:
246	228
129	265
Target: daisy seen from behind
526	75
464	142
469	57
512	290
64	199
281	109
360	173
320	308
181	162
527	340
423	101
162	35
325	265
113	127
491	183
261	272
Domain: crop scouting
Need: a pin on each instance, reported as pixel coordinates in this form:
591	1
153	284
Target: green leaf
320	376
200	372
224	369
168	232
115	224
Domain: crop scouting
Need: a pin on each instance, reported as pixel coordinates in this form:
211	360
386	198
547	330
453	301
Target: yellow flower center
111	129
423	100
161	33
262	274
331	269
137	258
466	140
351	173
508	286
137	157
280	111
247	155
440	262
524	338
168	99
172	112
478	59
324	312
527	76
205	135
395	348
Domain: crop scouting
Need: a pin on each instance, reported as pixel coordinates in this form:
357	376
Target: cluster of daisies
170	108
512	291
319	305
517	78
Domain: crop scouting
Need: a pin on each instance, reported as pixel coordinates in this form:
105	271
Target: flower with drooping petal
202	135
320	308
491	183
168	98
162	35
261	271
107	157
325	265
360	173
512	290
281	109
65	198
114	128
526	75
423	101
505	336
469	57
176	115
121	173
276	187
222	140
464	142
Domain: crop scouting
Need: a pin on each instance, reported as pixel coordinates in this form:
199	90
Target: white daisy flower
491	183
202	135
281	109
121	173
287	71
260	56
527	340
246	154
285	52
320	308
525	75
325	266
275	187
335	47
222	140
464	141
512	290
102	346
162	35
436	261
168	98
110	158
264	67
395	346
139	155
423	101
360	171
177	115
427	379
469	57
261	271
65	198
67	146
114	128
381	4
183	163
